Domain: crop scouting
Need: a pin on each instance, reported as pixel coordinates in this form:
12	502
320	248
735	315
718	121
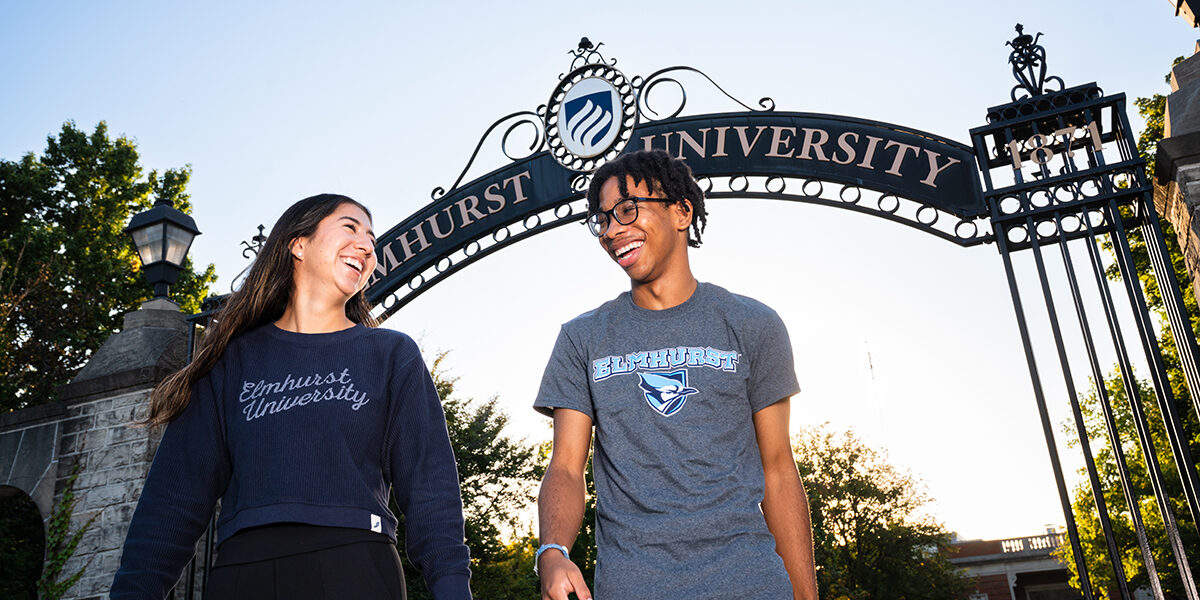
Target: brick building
1015	569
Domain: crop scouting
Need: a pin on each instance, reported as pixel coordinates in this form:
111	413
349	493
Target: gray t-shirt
679	479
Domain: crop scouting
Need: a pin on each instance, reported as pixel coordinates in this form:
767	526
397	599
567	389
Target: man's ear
684	214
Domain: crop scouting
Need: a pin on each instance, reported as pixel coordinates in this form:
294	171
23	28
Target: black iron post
1158	371
1036	145
1114	436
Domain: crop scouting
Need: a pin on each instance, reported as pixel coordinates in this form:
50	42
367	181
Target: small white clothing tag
376	524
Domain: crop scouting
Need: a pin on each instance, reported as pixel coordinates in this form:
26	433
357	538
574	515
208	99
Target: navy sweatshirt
303	428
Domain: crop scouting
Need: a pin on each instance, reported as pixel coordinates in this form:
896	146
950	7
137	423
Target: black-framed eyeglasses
625	211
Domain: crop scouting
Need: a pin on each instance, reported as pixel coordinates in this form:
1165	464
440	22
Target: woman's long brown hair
262	299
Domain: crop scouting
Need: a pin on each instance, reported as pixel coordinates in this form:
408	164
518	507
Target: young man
687	386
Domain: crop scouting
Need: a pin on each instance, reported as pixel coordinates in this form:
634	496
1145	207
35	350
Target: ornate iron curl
847	196
250	251
255	244
643	87
476	249
587	54
1028	60
580	182
522	118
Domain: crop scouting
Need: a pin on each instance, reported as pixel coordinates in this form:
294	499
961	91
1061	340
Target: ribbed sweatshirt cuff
451	586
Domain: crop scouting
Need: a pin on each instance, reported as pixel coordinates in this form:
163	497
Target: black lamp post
162	236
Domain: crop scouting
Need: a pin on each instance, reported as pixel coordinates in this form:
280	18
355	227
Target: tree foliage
498	476
871	540
67	271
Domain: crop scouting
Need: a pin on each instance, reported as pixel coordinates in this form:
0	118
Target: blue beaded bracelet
543	548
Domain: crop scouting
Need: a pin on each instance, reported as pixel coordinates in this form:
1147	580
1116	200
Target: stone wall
93	428
1177	164
113	458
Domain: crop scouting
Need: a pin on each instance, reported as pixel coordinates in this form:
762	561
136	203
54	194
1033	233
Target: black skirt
306	562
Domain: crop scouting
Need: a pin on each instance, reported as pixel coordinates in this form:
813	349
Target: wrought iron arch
904	175
1054	167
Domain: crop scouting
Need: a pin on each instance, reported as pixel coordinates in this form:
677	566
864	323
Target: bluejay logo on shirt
666	392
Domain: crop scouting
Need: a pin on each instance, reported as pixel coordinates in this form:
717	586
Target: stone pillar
1177	166
98	435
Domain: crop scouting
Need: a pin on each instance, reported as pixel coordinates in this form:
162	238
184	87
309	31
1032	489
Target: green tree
67	271
870	538
1092	539
499	477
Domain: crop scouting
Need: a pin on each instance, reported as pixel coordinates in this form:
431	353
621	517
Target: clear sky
385	101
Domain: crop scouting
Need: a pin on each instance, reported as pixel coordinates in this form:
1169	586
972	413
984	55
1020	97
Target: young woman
301	417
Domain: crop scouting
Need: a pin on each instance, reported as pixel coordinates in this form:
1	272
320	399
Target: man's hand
561	577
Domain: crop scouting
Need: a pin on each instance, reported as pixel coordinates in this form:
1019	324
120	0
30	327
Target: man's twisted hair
669	176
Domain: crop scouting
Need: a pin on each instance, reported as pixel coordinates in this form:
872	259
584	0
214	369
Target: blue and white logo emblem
666	392
589	117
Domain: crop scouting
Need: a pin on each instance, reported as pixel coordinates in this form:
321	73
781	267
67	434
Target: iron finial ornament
587	53
250	251
603	130
255	244
1028	60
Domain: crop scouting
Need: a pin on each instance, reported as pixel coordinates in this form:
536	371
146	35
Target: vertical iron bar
1085	582
1110	423
1168	286
209	542
1158	482
190	592
1166	400
1114	553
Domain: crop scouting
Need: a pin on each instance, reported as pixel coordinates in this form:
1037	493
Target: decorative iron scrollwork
250	251
898	209
613	125
255	244
514	120
587	54
644	86
1028	60
581	182
568	211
